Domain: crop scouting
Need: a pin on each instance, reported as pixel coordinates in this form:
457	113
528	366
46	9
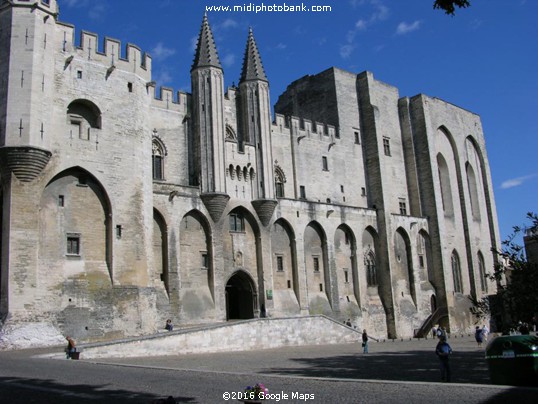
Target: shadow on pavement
16	390
419	366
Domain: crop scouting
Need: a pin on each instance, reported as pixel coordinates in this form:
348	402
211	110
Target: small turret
256	127
208	164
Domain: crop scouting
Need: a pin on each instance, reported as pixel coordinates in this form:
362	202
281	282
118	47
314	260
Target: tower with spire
208	165
255	115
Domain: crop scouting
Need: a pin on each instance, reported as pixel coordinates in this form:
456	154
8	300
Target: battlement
166	99
133	60
304	127
110	54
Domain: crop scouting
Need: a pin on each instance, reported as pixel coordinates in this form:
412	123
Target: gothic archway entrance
240	297
433	303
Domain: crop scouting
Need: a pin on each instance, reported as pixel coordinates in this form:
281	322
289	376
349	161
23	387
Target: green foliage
519	293
449	6
480	309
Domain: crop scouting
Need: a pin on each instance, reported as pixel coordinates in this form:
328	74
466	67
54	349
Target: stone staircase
255	334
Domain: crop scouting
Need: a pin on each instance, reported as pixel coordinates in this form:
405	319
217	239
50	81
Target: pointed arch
158	153
160	249
76	215
317	273
345	254
473	191
280	180
482	272
241	296
244	249
456	272
369	244
445	184
285	273
230	133
196	269
404	261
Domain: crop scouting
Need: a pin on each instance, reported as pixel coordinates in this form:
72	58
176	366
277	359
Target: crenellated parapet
109	54
304	128
165	98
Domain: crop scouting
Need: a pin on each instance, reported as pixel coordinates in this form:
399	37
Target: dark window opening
386	146
237	222
302	192
280	263
403	208
316	264
73	245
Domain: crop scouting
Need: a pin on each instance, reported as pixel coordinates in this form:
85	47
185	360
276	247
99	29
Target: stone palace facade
122	205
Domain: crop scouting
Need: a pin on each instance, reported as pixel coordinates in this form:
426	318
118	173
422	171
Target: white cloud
162	77
380	13
160	52
228	23
405	28
516	182
97	11
73	3
361	25
228	60
346	50
194	42
281	46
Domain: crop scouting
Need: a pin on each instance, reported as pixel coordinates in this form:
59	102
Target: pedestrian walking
443	352
365	339
478	336
71	347
485	333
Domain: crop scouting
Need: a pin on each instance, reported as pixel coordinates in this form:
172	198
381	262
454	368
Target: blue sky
485	59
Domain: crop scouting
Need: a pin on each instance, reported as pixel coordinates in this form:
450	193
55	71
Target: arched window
280	179
371	271
446	188
157	157
473	191
83	116
482	270
456	272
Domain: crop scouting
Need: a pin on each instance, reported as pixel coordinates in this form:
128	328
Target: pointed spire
206	51
252	62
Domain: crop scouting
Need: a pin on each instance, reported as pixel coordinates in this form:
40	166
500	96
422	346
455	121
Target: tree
517	282
449	6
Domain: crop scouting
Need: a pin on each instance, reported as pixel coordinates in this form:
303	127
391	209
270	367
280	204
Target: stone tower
256	126
207	80
24	111
27	74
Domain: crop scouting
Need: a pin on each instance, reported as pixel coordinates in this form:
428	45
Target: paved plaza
393	372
